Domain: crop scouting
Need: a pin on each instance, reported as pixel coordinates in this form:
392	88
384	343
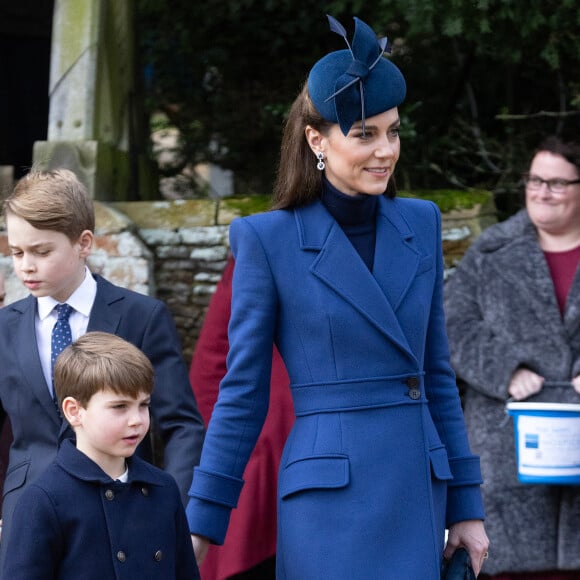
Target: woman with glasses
513	320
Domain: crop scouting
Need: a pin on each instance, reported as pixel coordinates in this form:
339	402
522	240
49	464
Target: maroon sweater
563	266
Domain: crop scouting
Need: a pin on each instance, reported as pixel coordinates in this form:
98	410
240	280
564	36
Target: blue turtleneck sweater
356	216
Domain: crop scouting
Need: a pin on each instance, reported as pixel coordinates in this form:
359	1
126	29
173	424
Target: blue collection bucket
547	437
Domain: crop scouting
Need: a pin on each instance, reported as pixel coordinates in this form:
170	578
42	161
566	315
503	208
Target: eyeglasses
556	185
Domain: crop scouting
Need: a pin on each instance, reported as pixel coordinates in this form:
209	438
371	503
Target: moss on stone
451	199
248	205
446	199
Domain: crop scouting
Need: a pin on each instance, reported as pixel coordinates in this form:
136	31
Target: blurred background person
513	320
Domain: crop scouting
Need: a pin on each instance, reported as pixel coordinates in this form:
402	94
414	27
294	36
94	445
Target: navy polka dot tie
61	334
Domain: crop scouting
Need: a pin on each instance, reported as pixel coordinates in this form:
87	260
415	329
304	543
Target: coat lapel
528	275
396	259
24	333
339	266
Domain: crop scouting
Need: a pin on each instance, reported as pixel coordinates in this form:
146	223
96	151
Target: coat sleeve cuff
464	503
212	497
208	519
216	487
465	470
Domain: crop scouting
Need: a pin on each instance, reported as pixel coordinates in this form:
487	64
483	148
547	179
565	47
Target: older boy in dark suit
50	223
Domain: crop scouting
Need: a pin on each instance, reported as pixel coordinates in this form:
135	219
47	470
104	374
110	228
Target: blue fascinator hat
352	84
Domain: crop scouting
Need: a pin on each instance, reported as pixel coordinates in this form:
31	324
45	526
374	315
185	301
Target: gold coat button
121	556
110	494
145	491
158	555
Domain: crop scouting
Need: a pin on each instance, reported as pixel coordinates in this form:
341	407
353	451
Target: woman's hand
524	384
471	535
200	548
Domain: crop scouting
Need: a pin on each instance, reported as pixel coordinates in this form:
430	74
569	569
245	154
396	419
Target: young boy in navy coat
50	223
98	511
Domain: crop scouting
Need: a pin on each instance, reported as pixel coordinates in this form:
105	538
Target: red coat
251	536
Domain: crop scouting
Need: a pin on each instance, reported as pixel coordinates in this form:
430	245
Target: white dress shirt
82	300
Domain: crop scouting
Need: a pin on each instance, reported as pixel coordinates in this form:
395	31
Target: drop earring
320	165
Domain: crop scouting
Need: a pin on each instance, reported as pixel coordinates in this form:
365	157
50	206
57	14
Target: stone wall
176	251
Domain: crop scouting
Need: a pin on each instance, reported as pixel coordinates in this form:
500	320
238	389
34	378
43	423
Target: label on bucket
548	446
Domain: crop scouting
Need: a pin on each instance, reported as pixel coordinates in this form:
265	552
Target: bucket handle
546	385
557	384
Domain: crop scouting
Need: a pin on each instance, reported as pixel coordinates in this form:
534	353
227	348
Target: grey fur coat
502	314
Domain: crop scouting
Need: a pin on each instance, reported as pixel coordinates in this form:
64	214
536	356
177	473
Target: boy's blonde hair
99	361
52	200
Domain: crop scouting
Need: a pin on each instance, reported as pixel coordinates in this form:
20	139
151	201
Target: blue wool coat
76	522
378	461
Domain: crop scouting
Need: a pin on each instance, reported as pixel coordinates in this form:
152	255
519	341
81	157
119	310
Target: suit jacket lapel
24	333
340	267
102	317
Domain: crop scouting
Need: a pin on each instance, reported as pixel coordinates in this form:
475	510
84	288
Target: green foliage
486	80
225	74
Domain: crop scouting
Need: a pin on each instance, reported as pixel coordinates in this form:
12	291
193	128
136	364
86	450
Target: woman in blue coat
346	280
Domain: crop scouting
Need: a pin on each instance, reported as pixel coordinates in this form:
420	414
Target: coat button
414	394
145	491
110	494
412	382
158	555
121	556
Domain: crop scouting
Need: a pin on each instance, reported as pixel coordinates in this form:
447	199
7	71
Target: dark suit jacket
25	398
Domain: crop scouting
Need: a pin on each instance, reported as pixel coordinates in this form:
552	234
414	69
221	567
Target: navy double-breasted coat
74	522
378	461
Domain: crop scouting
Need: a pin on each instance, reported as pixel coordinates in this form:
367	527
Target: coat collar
77	464
375	295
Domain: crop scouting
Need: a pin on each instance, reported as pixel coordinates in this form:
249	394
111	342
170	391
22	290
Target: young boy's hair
52	200
98	361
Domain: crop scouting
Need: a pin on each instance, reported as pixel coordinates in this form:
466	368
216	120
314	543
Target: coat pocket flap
317	472
440	463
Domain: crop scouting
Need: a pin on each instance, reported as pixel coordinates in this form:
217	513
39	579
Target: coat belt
354	395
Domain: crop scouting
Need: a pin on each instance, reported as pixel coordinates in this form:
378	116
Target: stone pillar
93	116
